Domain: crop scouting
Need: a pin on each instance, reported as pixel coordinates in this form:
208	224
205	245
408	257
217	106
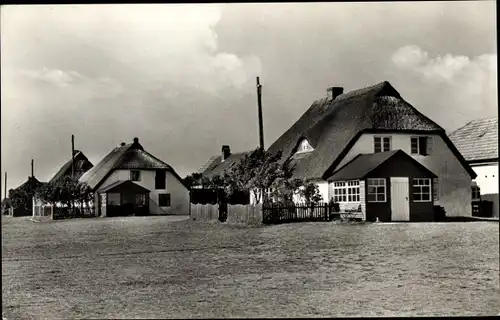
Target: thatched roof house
332	125
155	187
25	192
82	165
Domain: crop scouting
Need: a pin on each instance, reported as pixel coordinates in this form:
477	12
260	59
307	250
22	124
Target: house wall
487	177
323	190
454	181
179	194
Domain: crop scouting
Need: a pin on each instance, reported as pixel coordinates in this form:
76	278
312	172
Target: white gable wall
487	177
455	193
179	194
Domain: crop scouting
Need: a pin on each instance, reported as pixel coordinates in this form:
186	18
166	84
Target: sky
182	78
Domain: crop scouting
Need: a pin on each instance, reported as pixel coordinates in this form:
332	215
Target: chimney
226	152
136	140
334	92
122	144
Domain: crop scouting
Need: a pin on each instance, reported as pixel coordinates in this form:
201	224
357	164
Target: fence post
326	211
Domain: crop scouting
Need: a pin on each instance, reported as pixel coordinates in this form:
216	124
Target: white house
130	180
347	144
477	141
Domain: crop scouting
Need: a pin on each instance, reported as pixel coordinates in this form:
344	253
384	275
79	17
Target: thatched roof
30	185
214	166
364	164
126	156
478	140
82	165
333	126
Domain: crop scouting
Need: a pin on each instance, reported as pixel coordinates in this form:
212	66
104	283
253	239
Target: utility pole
5	187
32	168
261	124
261	128
72	156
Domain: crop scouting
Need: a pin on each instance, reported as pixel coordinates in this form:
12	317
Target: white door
400	204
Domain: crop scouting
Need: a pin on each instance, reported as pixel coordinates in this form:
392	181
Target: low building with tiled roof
477	141
130	180
336	129
216	165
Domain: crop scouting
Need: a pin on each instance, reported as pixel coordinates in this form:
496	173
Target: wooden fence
244	214
62	212
204	212
278	213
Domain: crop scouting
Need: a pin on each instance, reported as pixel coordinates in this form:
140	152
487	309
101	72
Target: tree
310	193
192	180
254	172
67	191
19	199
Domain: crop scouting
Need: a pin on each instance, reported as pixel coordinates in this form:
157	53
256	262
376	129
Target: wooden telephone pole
5	187
72	156
32	168
261	127
261	124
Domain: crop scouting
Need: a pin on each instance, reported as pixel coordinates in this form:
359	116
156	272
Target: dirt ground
156	267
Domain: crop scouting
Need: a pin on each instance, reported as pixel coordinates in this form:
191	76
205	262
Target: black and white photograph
249	160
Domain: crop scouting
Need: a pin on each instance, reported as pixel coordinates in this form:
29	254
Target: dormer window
304	146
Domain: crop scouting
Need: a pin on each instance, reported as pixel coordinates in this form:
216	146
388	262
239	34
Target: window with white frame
346	191
381	144
421	146
353	191
377	190
435	189
421	190
339	191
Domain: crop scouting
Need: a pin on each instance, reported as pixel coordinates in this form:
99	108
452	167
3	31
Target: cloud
53	76
108	73
458	88
446	68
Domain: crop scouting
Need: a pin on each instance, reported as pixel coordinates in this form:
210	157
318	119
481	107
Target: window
140	199
435	189
160	179
376	190
421	145
135	175
304	146
476	193
346	191
164	200
114	199
382	144
353	191
421	190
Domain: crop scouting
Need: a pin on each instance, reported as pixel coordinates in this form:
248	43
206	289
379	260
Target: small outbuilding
390	186
124	198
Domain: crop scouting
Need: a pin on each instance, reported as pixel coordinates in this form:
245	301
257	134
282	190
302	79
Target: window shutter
435	190
430	145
